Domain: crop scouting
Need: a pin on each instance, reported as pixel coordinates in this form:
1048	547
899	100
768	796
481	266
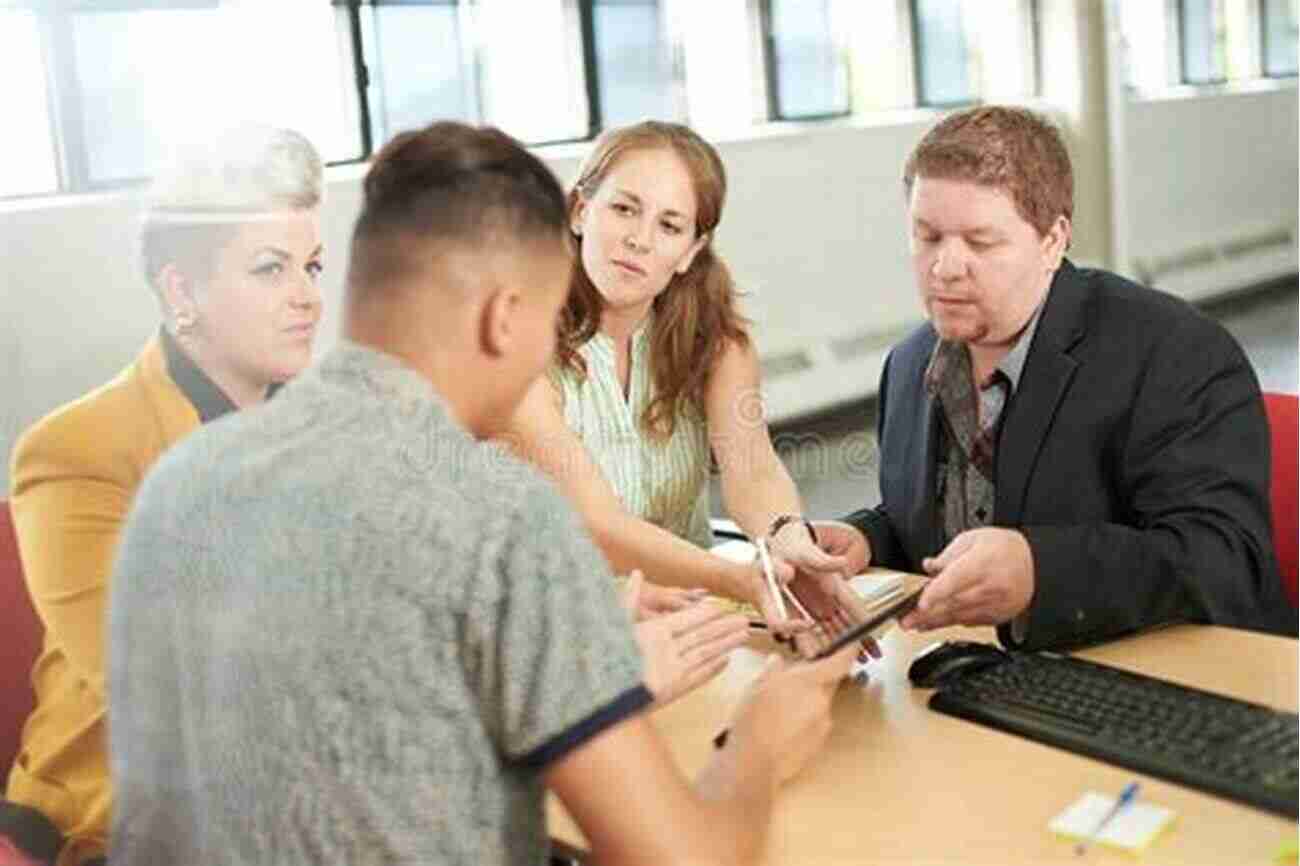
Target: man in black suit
1070	455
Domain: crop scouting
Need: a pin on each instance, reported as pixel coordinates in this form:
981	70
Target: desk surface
898	783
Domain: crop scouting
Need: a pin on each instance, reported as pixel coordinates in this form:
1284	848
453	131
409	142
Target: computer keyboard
1230	748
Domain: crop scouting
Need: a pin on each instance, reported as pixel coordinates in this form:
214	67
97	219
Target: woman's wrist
740	583
782	525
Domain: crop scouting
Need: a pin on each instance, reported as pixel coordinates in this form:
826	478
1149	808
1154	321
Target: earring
577	231
185	323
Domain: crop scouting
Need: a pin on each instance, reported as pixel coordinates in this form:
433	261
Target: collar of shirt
640	339
945	361
1012	364
206	396
210	401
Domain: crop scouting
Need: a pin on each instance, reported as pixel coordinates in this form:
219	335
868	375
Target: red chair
21	634
1285	439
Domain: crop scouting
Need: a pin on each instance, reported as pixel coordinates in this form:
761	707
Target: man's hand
983	577
786	714
846	542
684	649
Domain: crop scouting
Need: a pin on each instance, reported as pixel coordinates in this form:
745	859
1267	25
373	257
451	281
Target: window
1145	32
632	73
546	70
972	50
717	40
1281	31
943	70
135	77
531	68
1217	43
108	85
880	56
514	65
1202	35
29	166
807	75
1207	41
420	66
525	67
146	76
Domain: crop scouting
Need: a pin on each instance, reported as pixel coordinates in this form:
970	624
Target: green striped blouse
662	482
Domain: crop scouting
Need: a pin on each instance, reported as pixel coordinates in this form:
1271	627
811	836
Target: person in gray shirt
345	629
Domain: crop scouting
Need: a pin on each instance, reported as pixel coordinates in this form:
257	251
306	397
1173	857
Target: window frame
64	96
1262	17
590	67
358	59
672	60
1256	42
918	65
1182	27
1029	22
364	32
766	37
41	17
72	149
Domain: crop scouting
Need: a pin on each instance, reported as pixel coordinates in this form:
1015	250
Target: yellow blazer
73	477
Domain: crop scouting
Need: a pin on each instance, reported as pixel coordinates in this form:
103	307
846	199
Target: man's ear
1055	242
684	263
498	321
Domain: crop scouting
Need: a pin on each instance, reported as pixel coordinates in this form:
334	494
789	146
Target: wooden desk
898	783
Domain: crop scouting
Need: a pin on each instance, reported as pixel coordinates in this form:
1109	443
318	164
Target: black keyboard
1230	748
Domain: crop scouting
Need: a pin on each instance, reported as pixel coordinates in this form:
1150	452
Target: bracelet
779	523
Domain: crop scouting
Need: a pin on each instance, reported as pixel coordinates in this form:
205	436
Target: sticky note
1132	829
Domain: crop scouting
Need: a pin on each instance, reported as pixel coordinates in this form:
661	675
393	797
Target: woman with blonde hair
230	244
656	374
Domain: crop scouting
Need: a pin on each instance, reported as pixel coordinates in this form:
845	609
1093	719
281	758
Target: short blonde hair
207	189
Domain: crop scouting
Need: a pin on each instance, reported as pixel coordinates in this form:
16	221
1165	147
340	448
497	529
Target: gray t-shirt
344	632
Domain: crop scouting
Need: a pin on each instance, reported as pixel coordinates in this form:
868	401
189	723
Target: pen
1128	795
798	605
765	561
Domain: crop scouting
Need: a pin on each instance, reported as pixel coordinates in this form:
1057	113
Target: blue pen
1128	795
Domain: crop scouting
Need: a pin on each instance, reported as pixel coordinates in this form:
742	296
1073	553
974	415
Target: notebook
1132	829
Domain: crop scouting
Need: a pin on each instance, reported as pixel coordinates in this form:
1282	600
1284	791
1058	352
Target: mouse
942	662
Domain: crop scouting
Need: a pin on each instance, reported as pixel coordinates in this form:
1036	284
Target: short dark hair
449	183
1012	149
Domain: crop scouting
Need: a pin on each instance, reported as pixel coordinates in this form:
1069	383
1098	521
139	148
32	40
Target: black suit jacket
1133	455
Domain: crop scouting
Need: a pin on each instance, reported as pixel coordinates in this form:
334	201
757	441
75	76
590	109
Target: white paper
1133	828
876	587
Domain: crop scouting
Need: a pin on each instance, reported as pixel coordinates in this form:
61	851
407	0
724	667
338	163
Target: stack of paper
877	586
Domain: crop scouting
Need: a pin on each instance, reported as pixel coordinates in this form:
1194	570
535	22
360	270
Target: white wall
1211	188
814	230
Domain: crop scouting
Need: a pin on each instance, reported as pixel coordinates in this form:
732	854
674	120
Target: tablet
895	608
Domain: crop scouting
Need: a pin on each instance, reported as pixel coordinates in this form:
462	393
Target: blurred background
1181	118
